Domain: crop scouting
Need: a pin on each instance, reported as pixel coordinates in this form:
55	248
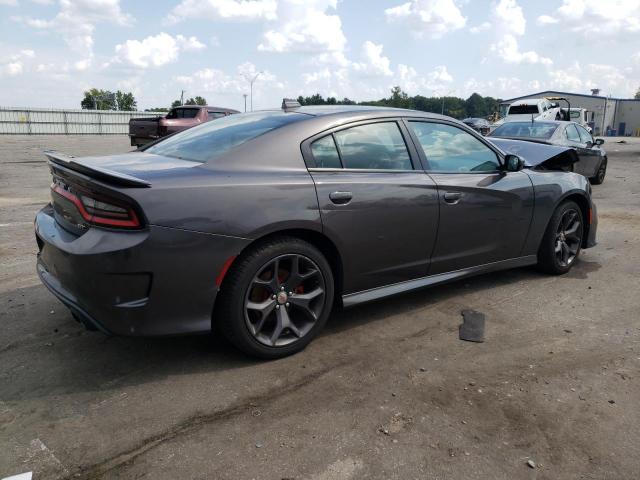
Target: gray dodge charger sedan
258	224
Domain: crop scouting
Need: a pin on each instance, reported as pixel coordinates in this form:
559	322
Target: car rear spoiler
98	173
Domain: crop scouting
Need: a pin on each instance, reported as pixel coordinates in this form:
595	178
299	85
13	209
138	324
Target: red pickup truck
149	129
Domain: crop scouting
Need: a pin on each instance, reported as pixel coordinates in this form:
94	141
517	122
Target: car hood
536	154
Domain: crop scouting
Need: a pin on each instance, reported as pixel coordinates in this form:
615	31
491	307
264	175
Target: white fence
49	121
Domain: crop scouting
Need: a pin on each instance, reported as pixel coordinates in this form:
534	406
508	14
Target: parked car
592	157
148	129
581	116
260	223
478	124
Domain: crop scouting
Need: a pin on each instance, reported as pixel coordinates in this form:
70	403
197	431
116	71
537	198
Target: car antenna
290	104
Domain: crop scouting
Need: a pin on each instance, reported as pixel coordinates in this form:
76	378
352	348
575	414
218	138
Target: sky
51	51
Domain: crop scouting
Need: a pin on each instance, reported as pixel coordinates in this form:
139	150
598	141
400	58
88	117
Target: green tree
126	101
96	99
196	101
175	103
156	109
637	95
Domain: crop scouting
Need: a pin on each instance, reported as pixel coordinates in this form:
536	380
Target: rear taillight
98	210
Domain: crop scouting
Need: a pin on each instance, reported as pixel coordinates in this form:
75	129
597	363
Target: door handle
452	197
340	198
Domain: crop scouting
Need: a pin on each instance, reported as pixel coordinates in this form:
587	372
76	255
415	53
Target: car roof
355	110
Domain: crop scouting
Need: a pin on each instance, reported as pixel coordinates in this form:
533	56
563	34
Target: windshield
523	110
526	130
212	139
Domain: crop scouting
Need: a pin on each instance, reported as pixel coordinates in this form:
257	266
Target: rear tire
276	298
562	241
602	171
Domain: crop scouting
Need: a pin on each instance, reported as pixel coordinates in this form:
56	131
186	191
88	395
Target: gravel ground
388	391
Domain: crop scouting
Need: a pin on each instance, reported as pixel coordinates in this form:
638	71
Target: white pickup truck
530	109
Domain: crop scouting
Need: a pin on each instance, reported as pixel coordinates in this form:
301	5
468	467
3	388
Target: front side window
451	149
584	135
212	139
378	146
572	134
325	153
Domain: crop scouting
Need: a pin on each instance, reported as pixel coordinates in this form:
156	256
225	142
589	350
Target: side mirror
599	141
513	163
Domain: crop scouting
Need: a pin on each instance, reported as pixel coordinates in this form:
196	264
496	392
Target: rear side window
213	114
523	109
183	113
212	139
325	153
451	149
572	134
378	146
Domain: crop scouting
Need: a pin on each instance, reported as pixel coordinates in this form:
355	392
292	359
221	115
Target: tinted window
450	149
183	113
525	129
584	135
325	153
572	134
523	109
376	146
210	140
213	114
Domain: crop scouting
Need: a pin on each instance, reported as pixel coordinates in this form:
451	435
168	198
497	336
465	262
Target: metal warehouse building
618	116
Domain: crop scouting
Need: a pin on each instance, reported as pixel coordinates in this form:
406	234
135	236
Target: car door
572	139
591	155
485	212
380	211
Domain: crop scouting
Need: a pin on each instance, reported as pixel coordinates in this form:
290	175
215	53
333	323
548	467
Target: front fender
551	189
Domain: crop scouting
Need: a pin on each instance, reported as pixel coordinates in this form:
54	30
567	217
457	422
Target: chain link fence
51	121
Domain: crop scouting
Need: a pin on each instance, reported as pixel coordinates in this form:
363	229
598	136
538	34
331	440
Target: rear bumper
137	141
160	281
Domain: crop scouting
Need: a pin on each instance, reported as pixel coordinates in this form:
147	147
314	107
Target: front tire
276	298
562	241
602	171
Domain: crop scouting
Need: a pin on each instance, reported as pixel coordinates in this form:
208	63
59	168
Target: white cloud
75	22
547	20
214	82
11	69
9	3
611	17
481	28
507	49
508	17
430	18
224	10
374	63
305	26
155	51
14	65
436	82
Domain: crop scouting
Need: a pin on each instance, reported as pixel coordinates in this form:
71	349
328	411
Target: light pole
245	102
255	77
442	112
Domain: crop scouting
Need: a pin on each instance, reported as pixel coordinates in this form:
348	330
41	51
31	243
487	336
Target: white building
619	114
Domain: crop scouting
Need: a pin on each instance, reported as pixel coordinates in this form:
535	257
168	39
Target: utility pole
245	101
182	97
251	87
